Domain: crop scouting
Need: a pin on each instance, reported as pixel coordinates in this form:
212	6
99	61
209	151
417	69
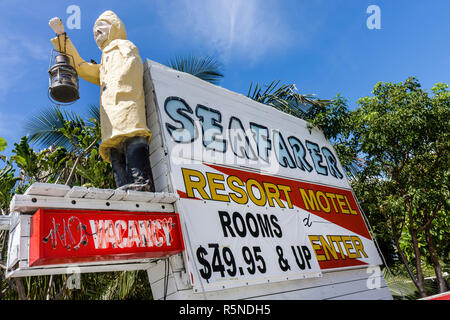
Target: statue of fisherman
125	136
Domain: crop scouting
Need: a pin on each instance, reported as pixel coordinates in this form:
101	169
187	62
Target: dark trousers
131	165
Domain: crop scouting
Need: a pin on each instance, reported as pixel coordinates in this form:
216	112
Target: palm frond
204	67
45	127
93	113
284	97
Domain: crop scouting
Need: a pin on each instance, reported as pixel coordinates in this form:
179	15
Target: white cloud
246	29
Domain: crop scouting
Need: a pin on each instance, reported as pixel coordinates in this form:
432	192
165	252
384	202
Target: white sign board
263	198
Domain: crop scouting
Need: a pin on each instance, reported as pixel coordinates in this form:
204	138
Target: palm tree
52	126
285	97
56	127
204	67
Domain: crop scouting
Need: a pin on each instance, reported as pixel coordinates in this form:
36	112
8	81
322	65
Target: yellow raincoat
120	77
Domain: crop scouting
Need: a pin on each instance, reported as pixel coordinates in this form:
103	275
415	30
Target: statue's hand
57	25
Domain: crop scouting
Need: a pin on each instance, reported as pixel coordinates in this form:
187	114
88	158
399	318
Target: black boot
138	165
119	167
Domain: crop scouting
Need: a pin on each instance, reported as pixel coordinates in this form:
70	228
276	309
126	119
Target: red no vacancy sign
80	236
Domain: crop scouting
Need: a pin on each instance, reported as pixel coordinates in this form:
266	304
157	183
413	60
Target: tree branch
20	289
50	283
433	215
61	292
72	172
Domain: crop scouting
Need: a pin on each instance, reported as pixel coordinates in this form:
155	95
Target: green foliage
97	172
3	145
332	118
371	193
45	166
52	125
127	285
7	183
73	158
403	135
402	288
26	159
394	148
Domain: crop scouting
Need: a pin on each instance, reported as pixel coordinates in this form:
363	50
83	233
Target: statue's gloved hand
57	25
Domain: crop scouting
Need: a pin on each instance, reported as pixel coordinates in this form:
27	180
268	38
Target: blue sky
323	46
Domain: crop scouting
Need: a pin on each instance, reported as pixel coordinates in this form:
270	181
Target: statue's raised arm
62	43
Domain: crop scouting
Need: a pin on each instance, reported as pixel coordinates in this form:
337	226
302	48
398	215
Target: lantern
63	83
